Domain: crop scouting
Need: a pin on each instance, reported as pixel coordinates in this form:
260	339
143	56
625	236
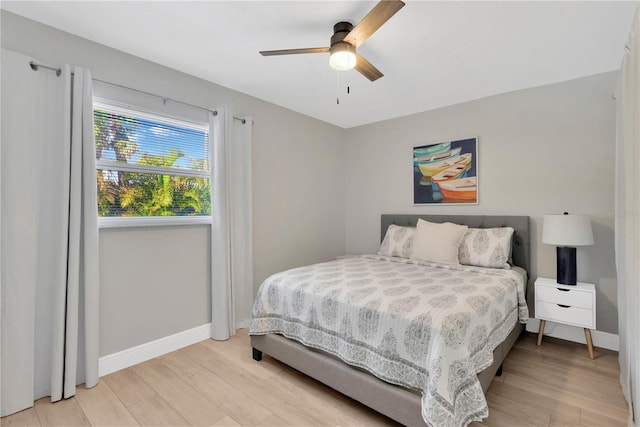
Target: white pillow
438	242
398	241
486	247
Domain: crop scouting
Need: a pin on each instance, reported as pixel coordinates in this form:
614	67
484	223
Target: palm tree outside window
150	166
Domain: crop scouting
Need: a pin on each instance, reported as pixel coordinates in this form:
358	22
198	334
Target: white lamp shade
567	230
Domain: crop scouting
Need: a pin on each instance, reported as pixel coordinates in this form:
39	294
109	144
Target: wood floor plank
521	350
224	395
561	421
65	412
226	422
526	416
272	421
237	351
330	413
345	409
597	377
499	417
189	403
608	363
155	411
216	383
102	407
25	418
572	398
283	400
536	401
339	401
568	380
129	386
200	352
573	353
594	419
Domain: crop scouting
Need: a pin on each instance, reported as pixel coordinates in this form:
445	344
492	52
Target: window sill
151	221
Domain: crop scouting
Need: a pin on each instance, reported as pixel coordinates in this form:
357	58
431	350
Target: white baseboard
572	333
143	352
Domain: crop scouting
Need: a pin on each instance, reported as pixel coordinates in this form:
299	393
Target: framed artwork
446	172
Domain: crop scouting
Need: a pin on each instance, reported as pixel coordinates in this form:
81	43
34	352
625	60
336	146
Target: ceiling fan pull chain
338	88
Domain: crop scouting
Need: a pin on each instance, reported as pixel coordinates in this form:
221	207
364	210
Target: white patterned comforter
419	325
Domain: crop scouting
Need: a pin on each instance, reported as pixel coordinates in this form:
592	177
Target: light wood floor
218	384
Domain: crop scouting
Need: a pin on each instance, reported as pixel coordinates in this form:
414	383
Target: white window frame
111	165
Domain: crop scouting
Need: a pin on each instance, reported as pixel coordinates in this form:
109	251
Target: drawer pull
563	306
563	290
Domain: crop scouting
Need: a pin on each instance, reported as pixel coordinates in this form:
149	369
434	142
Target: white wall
298	200
543	150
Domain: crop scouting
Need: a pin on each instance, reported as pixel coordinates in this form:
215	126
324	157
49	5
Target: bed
322	321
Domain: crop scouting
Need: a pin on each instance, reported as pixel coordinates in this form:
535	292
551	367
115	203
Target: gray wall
154	283
543	150
298	218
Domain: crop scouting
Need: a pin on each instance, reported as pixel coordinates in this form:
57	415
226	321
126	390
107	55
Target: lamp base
566	265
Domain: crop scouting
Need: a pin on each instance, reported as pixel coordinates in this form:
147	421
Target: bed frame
398	403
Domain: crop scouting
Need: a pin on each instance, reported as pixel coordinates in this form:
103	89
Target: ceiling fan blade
294	51
380	14
367	69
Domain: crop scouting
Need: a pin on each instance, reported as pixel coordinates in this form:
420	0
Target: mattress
423	326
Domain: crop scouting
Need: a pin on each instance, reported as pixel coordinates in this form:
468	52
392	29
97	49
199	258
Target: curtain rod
35	66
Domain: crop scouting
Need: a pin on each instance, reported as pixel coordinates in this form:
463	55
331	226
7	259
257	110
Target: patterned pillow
398	241
486	247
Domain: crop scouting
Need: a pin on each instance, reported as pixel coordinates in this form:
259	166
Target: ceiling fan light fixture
346	39
343	56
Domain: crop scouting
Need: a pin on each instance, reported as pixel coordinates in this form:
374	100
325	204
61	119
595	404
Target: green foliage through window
150	167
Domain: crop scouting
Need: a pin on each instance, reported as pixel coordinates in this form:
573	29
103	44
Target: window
150	169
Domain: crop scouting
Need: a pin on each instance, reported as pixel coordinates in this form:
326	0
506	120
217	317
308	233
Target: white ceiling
433	53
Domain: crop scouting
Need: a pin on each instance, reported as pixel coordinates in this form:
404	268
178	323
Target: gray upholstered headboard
520	225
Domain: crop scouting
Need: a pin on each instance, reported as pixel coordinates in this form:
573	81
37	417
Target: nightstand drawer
570	315
574	298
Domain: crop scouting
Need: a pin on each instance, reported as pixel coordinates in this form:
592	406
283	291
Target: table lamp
566	232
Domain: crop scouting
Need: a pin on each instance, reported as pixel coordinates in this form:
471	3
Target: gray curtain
49	235
231	228
627	225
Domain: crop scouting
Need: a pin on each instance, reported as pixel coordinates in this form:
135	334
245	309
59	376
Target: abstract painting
446	172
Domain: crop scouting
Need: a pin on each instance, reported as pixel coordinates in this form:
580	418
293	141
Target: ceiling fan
346	38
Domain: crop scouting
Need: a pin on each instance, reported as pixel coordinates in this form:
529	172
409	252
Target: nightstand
570	305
